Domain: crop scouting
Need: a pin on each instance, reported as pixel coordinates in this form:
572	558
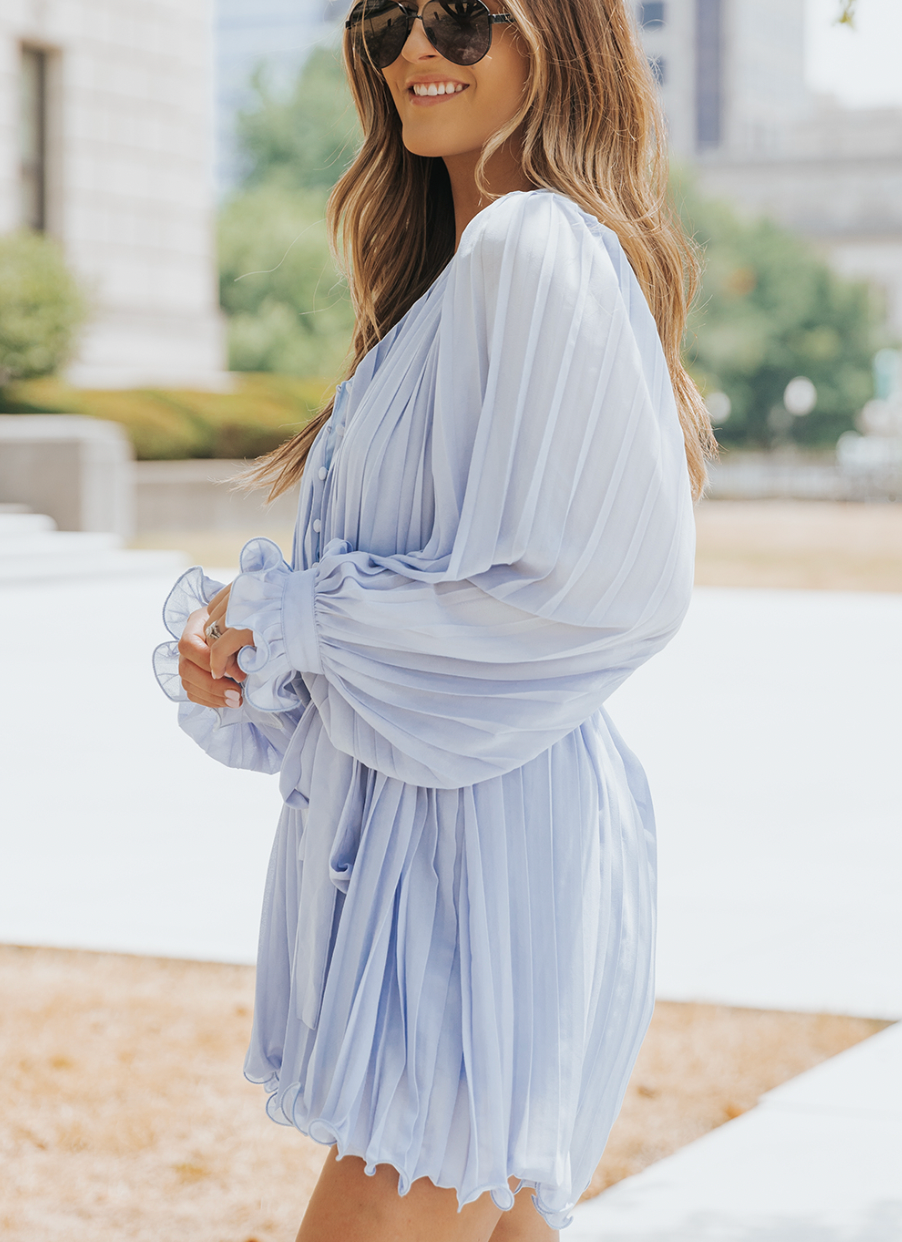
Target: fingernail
233	698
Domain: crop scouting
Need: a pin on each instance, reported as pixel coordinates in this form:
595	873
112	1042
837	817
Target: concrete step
31	550
118	563
50	541
15	524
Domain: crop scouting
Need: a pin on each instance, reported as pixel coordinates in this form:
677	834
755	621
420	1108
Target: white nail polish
233	698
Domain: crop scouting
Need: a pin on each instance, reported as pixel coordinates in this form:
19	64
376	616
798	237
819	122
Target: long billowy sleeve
560	557
239	737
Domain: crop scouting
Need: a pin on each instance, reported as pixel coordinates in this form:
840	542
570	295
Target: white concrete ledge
79	471
819	1160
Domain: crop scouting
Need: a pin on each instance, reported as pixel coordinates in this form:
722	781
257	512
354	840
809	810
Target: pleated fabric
455	969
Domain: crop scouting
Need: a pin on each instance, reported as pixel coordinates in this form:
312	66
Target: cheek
505	84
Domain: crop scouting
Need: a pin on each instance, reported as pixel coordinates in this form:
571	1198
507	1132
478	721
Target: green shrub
288	307
305	138
770	309
258	416
41	307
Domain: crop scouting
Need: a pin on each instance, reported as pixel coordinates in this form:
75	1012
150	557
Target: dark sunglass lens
459	30
379	32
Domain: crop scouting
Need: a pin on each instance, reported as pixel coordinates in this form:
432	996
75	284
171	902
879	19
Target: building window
658	66
33	138
709	72
651	16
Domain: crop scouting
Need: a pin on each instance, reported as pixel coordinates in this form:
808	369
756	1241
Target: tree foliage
304	139
41	307
771	309
288	307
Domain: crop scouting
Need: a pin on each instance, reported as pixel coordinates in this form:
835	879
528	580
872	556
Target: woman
495	529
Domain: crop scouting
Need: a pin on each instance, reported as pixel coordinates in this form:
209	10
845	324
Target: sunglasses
459	30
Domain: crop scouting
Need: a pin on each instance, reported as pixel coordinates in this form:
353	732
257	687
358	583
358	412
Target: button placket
334	433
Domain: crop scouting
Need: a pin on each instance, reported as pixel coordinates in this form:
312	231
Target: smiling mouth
424	90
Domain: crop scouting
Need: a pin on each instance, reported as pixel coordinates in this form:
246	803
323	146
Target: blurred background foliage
302	139
770	309
262	412
288	306
288	309
41	307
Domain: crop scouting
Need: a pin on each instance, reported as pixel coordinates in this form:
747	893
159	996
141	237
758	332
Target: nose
417	47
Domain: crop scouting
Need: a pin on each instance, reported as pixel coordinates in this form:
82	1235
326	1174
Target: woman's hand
209	670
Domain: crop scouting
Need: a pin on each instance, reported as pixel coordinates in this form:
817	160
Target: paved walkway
819	1160
770	729
117	832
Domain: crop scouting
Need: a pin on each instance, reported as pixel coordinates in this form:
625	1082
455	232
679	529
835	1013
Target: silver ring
213	632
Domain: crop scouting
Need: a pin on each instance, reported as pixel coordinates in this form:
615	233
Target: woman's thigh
348	1206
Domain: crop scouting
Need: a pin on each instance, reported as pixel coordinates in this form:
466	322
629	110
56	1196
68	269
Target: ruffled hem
325	1132
255	603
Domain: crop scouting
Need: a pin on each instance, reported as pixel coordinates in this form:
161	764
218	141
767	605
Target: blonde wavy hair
590	128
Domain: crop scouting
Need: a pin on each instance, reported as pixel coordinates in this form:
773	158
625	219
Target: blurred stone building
106	139
733	84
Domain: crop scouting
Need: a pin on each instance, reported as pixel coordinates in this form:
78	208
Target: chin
435	146
422	144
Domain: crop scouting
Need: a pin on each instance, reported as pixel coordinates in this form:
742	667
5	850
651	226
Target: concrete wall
130	140
79	471
200	496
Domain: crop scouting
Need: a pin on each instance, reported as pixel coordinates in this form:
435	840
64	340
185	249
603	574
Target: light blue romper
495	528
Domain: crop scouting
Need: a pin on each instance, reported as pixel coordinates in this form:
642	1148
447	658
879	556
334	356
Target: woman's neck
504	174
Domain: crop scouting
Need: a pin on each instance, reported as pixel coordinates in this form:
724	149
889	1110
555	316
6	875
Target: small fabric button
317	525
323	472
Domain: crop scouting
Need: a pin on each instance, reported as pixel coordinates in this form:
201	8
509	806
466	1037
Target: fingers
204	689
216	609
224	650
220	598
209	671
193	643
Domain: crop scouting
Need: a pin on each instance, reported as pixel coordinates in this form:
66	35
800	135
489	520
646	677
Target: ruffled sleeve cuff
192	591
277	604
234	737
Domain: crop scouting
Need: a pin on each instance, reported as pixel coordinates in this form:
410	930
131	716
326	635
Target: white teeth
437	88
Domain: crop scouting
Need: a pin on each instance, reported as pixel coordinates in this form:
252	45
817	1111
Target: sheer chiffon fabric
495	528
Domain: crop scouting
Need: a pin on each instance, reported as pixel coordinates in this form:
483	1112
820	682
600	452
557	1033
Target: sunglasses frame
413	16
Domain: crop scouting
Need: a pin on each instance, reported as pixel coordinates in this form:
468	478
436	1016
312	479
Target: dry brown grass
805	545
125	1114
